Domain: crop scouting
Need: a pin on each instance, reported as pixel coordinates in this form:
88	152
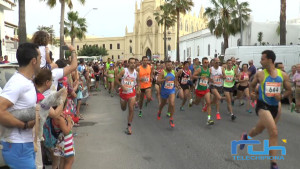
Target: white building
203	44
8	38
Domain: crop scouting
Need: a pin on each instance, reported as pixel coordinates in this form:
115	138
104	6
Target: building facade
147	36
203	44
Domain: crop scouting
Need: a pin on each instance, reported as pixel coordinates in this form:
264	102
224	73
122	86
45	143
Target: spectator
19	93
6	59
42	38
1	60
251	70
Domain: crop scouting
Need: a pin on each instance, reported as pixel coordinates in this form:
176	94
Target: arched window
169	47
198	50
208	50
130	49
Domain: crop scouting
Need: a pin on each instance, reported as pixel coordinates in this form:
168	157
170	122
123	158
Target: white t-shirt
21	92
57	74
43	54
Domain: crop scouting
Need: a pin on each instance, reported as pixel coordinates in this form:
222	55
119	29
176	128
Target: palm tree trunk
283	23
225	36
62	19
22	23
165	42
73	41
177	42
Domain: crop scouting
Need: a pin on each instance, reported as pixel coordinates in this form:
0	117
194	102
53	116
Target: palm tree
52	3
165	18
50	30
260	37
180	7
75	27
22	23
283	22
225	18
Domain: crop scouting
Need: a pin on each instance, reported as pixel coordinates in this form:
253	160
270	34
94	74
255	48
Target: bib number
184	80
229	78
218	80
272	88
110	75
128	84
169	85
145	79
203	82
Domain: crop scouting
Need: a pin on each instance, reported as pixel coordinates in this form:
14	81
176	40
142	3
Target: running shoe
172	123
168	114
249	111
191	103
218	116
181	109
158	115
204	109
210	122
112	95
233	117
140	114
243	137
128	130
242	103
293	107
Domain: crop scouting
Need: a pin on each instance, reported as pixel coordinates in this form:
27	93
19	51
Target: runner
145	76
159	69
291	75
110	73
243	88
216	86
127	92
169	81
118	70
271	81
202	75
229	75
184	75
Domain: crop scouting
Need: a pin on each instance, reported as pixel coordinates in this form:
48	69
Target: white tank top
216	76
129	80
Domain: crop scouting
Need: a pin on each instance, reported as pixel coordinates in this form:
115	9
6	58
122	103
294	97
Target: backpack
50	135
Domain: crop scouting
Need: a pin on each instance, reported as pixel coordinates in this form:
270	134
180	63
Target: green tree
260	37
225	18
75	27
180	7
282	22
92	51
164	17
51	4
51	32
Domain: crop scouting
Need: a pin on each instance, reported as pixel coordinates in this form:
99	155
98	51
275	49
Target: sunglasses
205	62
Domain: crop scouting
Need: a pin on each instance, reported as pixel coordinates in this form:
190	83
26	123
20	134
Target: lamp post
90	11
241	23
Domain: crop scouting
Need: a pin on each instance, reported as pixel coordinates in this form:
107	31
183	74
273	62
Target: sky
112	16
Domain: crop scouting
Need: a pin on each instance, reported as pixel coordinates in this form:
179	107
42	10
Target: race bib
169	84
145	79
229	78
272	88
246	77
203	81
184	80
128	84
218	80
110	75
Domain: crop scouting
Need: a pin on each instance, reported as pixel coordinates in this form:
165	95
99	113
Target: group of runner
209	83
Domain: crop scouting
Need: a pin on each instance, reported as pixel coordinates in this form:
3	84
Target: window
77	47
118	46
198	50
103	45
112	57
130	49
118	56
169	47
110	46
208	52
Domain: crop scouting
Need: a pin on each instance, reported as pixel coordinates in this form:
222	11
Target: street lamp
241	22
90	11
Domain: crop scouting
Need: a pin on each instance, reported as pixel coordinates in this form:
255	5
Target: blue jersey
270	87
168	87
191	67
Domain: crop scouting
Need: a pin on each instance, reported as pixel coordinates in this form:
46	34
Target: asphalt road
102	143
